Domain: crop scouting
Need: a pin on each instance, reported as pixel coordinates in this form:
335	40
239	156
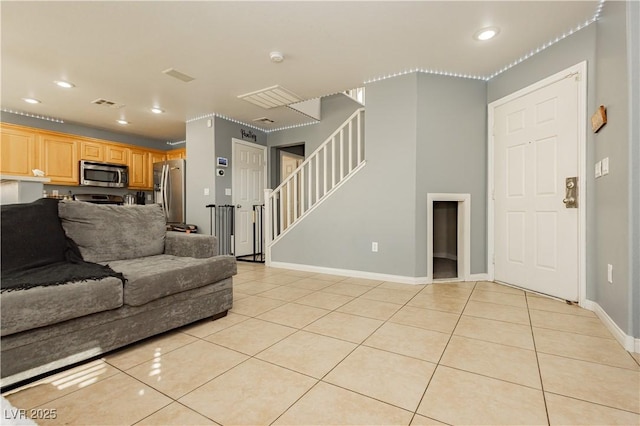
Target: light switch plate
227	191
605	166
206	191
598	169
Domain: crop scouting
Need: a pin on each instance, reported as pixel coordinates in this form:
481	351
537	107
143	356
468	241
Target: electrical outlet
227	191
598	169
605	166
374	247
610	273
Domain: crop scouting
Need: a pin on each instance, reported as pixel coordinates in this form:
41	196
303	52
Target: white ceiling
118	50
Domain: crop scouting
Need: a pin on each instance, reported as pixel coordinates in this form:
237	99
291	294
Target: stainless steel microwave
103	174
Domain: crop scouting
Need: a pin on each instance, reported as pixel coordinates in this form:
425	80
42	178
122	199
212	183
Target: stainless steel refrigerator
169	185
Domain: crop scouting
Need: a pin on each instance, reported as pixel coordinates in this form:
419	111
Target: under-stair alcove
448	237
445	239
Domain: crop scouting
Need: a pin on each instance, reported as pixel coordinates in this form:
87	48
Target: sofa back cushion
110	232
31	235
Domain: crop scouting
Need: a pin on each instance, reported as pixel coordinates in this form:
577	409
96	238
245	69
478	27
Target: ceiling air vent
271	97
107	103
263	120
179	75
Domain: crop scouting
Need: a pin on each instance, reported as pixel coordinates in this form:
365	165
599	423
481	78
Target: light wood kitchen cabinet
59	158
154	157
139	169
176	154
117	154
23	149
18	151
92	151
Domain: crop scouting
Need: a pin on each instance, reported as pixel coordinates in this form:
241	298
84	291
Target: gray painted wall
633	51
452	156
335	110
77	129
201	157
225	131
612	206
377	204
414	145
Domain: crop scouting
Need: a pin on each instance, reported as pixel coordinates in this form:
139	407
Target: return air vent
271	97
263	120
107	103
179	75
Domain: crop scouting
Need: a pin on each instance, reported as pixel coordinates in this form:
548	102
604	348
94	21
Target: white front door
535	149
248	174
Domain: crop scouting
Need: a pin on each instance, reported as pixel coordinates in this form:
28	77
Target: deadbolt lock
571	193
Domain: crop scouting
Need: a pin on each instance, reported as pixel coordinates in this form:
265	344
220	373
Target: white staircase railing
337	159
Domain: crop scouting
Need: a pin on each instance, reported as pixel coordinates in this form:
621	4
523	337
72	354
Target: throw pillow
32	235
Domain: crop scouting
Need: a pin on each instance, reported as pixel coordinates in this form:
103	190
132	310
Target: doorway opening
448	237
445	239
288	152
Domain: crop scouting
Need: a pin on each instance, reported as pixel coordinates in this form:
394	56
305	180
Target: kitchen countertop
24	178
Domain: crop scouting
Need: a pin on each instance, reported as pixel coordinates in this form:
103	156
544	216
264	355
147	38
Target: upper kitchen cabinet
59	158
176	154
92	151
139	169
117	154
18	151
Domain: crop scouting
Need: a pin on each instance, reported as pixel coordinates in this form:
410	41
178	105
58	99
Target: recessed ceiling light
486	33
64	84
123	122
31	100
276	57
157	110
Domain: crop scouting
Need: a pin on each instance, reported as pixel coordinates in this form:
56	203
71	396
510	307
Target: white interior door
288	163
248	173
535	150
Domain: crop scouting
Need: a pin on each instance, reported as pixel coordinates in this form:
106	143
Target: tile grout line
442	354
318	380
535	349
338	363
298	329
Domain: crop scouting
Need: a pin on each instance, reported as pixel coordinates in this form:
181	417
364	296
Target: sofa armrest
190	245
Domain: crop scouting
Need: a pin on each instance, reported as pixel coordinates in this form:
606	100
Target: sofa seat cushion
40	306
150	278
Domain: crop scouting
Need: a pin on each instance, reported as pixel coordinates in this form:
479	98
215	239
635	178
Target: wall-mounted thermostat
223	162
220	172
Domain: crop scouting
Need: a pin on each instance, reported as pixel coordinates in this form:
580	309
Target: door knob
570	199
238	206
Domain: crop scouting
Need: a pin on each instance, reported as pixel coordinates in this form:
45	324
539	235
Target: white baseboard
630	343
364	274
350	273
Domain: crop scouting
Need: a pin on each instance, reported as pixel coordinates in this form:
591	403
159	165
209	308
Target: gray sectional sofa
142	281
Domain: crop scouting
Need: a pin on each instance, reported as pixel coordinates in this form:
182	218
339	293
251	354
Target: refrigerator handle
165	192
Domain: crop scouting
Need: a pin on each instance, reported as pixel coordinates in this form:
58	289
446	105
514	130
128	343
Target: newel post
268	225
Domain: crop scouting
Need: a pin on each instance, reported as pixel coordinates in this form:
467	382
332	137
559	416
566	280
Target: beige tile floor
301	349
